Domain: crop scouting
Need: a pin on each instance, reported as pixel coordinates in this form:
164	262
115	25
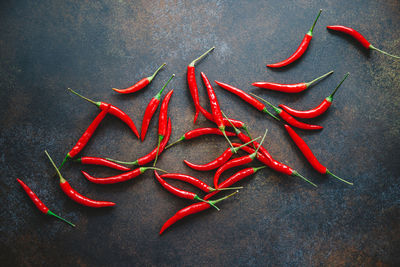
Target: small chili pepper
358	37
151	108
309	155
74	195
224	157
39	204
113	110
162	121
150	156
246	97
179	192
140	84
192	209
289	88
102	162
199	132
191	78
118	178
289	119
195	182
227	122
315	112
300	50
236	162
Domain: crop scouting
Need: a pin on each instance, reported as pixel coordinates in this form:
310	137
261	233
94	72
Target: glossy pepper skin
117	178
189	179
209	116
102	162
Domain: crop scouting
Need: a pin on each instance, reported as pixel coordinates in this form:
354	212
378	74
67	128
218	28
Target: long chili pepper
191	79
246	97
236	162
150	156
318	110
140	84
224	157
289	119
39	204
300	50
74	195
151	108
289	88
113	110
194	181
215	109
358	37
118	178
199	132
102	162
162	121
192	209
309	155
85	136
227	121
179	192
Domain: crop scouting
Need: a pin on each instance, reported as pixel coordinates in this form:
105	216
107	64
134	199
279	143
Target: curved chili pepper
309	155
140	84
361	39
191	79
192	209
300	50
102	162
289	88
118	178
151	108
318	110
227	122
224	157
113	110
74	195
39	204
289	119
199	132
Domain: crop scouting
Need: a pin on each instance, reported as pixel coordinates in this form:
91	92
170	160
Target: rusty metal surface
91	46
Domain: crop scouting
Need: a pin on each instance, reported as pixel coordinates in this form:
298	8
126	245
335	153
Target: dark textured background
91	46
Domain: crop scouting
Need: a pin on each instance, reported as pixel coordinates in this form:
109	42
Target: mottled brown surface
91	46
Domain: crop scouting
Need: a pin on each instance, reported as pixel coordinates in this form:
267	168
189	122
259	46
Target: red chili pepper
358	37
113	110
289	88
118	178
192	209
309	155
289	119
151	108
140	84
227	123
149	157
102	162
246	97
191	78
74	195
219	161
300	50
199	132
39	204
315	112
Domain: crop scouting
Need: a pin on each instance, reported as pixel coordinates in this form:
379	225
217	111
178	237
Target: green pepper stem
295	173
177	141
228	188
152	168
253	155
62	180
222	129
49	212
64	160
318	79
310	32
160	138
383	52
87	99
337	177
124	162
265	110
237	131
277	110
223	198
259	168
337	87
150	78
201	57
196	197
251	141
158	95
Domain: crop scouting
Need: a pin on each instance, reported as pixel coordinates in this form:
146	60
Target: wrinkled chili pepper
191	79
361	39
113	110
39	204
304	148
118	178
289	119
192	209
140	84
318	110
151	108
74	195
289	88
300	50
102	162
